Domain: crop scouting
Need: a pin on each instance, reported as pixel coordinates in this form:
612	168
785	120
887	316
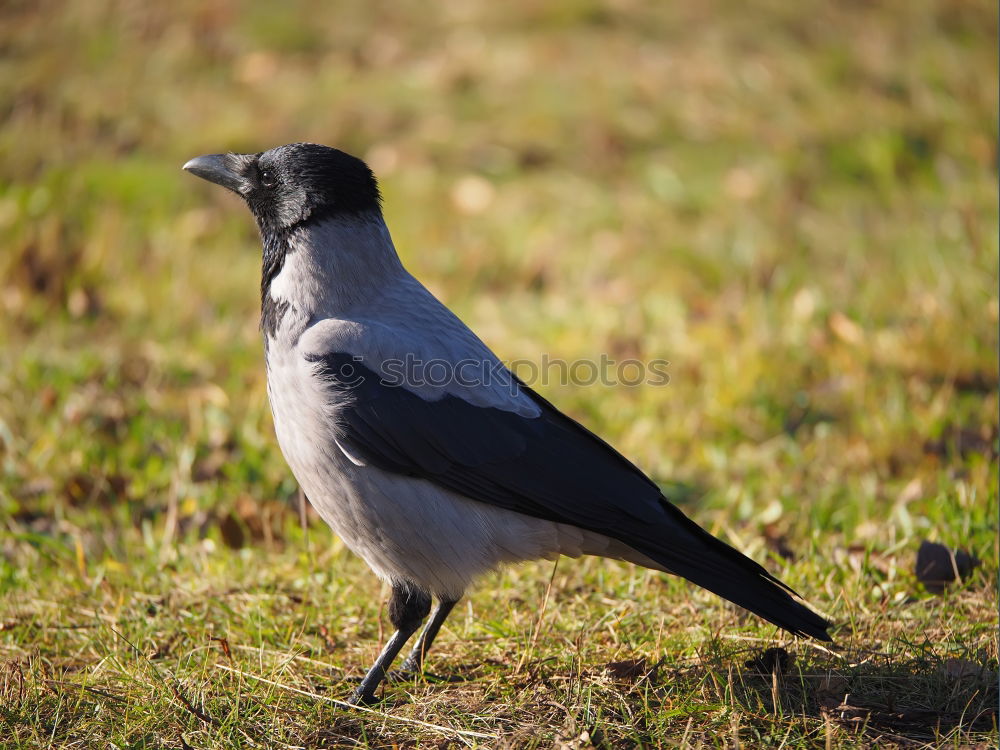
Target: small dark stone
938	566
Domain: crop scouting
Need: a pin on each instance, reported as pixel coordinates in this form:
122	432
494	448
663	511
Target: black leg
415	661
407	609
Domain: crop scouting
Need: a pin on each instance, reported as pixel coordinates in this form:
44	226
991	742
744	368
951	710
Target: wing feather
549	467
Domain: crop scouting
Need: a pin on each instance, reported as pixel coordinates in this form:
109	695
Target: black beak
216	168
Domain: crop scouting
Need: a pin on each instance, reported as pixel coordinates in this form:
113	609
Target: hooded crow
435	481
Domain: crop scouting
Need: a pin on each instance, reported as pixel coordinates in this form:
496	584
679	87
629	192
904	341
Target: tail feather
714	565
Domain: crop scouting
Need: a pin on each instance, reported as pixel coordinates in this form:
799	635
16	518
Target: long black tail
712	564
612	495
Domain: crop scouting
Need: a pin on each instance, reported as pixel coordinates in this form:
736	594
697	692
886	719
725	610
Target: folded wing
549	467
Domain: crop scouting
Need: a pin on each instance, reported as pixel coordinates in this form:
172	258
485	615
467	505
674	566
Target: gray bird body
436	480
359	299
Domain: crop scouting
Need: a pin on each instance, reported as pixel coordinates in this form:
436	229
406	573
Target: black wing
548	467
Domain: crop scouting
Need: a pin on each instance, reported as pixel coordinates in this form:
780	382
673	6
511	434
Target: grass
794	204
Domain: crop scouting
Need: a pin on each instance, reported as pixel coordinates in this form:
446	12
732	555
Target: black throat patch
276	247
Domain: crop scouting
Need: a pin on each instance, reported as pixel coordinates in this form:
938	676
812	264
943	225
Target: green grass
795	204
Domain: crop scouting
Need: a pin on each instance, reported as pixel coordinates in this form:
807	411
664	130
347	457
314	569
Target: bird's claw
362	698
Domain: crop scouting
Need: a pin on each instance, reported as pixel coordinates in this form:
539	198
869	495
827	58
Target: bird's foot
405	675
409	669
402	675
362	697
365	696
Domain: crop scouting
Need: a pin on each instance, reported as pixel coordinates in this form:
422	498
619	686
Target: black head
292	184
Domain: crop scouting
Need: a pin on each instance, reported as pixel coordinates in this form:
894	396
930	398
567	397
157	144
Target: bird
436	478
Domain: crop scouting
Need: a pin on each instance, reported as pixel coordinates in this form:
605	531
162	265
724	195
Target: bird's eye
267	178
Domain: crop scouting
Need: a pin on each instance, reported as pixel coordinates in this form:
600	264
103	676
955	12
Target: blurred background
795	204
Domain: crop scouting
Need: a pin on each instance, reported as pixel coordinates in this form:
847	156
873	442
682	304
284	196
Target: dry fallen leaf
232	532
831	691
472	194
630	670
845	329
